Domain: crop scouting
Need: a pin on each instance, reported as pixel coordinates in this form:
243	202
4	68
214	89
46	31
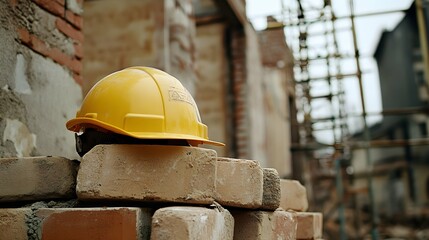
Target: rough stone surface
12	223
261	225
94	223
239	183
310	225
294	196
271	195
148	173
192	223
37	178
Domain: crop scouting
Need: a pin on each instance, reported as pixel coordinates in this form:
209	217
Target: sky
368	31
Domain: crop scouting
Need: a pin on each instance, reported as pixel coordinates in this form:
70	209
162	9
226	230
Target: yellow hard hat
144	103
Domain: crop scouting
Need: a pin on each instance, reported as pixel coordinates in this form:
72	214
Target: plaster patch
74	6
18	133
21	83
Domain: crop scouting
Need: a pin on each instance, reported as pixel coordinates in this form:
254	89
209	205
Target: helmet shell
144	103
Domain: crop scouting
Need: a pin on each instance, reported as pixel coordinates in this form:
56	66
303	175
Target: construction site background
255	90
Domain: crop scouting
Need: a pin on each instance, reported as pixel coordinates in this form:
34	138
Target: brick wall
64	46
41	63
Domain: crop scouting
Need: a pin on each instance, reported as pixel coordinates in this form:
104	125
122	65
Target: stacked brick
150	192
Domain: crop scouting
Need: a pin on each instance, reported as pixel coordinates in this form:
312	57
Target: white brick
148	173
293	196
261	225
239	183
37	178
310	225
192	223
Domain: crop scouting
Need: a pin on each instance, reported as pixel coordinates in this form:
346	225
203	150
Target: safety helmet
144	103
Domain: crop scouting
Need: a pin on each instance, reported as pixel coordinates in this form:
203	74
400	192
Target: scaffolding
326	167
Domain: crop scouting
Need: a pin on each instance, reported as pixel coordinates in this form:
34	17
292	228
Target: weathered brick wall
40	74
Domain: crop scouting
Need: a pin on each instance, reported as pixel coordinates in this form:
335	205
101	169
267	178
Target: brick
75	65
271	193
239	183
24	36
148	173
53	7
293	196
12	223
261	225
78	52
310	225
74	19
192	223
43	48
94	223
13	3
69	30
37	178
78	78
61	2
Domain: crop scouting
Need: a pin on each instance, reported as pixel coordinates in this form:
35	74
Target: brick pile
150	192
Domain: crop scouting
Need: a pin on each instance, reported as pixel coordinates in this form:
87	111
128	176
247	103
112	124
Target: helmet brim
78	123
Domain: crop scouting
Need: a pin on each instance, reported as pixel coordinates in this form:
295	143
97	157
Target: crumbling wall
40	66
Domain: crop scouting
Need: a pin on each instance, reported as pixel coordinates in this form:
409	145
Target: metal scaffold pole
336	183
373	209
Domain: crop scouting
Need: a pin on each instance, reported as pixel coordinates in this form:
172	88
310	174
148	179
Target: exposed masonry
165	213
57	35
40	74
